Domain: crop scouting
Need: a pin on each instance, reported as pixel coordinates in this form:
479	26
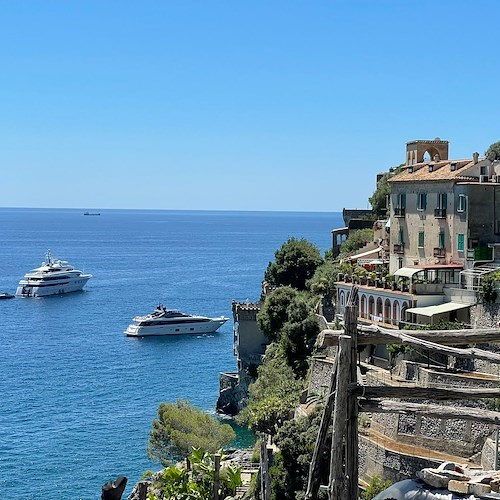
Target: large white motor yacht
163	321
53	277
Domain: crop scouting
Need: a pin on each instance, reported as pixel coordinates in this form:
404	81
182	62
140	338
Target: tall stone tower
415	150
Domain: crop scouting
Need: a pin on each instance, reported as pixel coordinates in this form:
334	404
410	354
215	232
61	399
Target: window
400	208
442	200
462	203
401	237
422	201
441	239
402	200
483	170
421	239
461	245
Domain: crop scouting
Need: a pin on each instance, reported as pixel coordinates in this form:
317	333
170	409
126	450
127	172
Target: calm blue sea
77	396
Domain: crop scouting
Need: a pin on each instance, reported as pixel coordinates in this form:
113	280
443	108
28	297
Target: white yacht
53	277
163	321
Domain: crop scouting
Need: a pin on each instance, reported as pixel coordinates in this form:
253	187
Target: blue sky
275	105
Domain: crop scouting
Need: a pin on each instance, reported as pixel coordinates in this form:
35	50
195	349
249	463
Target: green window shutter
441	239
461	243
401	241
424	201
421	239
403	200
444	201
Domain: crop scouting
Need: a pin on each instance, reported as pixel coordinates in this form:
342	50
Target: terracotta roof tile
441	171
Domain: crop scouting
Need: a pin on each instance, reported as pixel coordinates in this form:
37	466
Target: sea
78	397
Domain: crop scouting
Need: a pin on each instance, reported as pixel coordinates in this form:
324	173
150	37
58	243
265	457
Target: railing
440	213
399	248
439	252
399	211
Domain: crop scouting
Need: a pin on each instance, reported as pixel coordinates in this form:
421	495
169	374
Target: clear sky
237	105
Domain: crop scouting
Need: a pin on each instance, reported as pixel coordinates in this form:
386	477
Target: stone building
444	237
249	348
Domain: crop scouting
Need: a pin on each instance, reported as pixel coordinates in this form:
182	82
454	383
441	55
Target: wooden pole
142	490
386	391
336	487
430	410
376	335
351	327
265	485
400	337
313	482
216	475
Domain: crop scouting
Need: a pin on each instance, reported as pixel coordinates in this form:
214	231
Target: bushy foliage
298	337
356	240
181	427
324	278
494	148
295	263
378	198
288	317
295	440
178	483
274	312
440	325
376	486
489	288
273	396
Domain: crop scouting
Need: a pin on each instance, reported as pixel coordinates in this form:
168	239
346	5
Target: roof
441	171
407	272
439	309
359	255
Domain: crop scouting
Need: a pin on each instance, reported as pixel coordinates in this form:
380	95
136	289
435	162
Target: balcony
398	248
440	253
480	253
440	213
399	211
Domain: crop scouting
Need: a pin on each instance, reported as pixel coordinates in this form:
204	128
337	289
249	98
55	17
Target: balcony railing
440	213
480	253
439	252
399	211
398	248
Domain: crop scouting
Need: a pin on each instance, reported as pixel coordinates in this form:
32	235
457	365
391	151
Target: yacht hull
25	289
192	328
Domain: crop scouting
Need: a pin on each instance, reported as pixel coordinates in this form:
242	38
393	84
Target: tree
299	335
356	240
324	278
273	314
181	427
295	262
179	483
494	149
489	288
296	440
274	395
378	199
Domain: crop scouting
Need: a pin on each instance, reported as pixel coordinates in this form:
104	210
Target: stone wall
374	460
485	315
453	436
321	372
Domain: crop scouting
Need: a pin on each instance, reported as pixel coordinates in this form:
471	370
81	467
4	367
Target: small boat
163	321
53	277
6	295
91	213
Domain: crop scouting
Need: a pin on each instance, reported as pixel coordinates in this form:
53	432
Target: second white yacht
163	321
53	277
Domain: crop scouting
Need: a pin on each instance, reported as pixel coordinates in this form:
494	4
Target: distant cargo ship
91	213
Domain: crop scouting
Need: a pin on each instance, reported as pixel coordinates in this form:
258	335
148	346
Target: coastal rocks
233	392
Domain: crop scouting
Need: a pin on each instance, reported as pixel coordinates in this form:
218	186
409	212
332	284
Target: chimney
475	157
